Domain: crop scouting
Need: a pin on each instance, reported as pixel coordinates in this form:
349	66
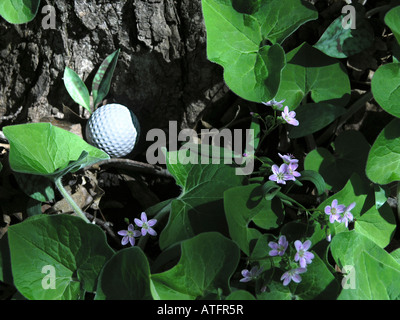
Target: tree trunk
162	73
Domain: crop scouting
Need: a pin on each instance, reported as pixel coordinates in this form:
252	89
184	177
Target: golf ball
114	129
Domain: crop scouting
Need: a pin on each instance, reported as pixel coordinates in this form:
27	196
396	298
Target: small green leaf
385	87
67	249
19	11
43	149
392	20
102	79
383	165
207	262
77	88
126	276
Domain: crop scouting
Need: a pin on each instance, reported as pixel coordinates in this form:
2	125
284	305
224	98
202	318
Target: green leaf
372	269
392	20
385	87
240	295
383	165
308	70
199	208
19	11
376	224
102	79
43	149
338	42
315	178
245	203
126	276
351	151
75	250
207	262
236	38
77	88
313	117
37	187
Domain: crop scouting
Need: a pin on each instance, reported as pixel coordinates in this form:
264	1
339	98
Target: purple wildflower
280	174
251	275
291	171
302	254
334	211
129	235
289	116
146	225
347	215
278	249
288	158
274	103
292	275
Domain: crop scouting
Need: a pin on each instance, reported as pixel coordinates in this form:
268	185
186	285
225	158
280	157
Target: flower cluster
274	103
288	116
302	256
340	213
287	170
130	234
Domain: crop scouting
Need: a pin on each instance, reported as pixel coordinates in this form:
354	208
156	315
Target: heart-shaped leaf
56	257
237	33
43	149
308	70
19	11
207	262
392	20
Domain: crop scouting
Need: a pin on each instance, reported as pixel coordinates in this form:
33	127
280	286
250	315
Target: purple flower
251	275
274	103
278	249
129	235
280	173
291	171
289	117
292	275
334	211
302	254
347	215
288	158
146	225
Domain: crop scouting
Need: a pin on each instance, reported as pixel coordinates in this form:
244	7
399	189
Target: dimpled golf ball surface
114	129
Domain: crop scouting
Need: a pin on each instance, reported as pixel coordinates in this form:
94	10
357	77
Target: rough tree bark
162	72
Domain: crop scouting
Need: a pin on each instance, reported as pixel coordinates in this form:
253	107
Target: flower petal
138	222
143	217
298	245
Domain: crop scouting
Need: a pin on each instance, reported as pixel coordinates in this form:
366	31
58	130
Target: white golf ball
114	129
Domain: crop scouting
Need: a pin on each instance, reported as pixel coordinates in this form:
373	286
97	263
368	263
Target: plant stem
398	199
69	199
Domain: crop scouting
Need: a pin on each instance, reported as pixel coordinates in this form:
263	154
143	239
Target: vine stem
69	199
398	199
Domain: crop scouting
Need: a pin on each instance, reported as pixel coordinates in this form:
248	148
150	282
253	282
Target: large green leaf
43	149
75	250
308	70
102	79
126	276
207	262
383	165
243	204
313	117
392	20
237	33
199	208
339	42
373	272
19	11
77	88
350	155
